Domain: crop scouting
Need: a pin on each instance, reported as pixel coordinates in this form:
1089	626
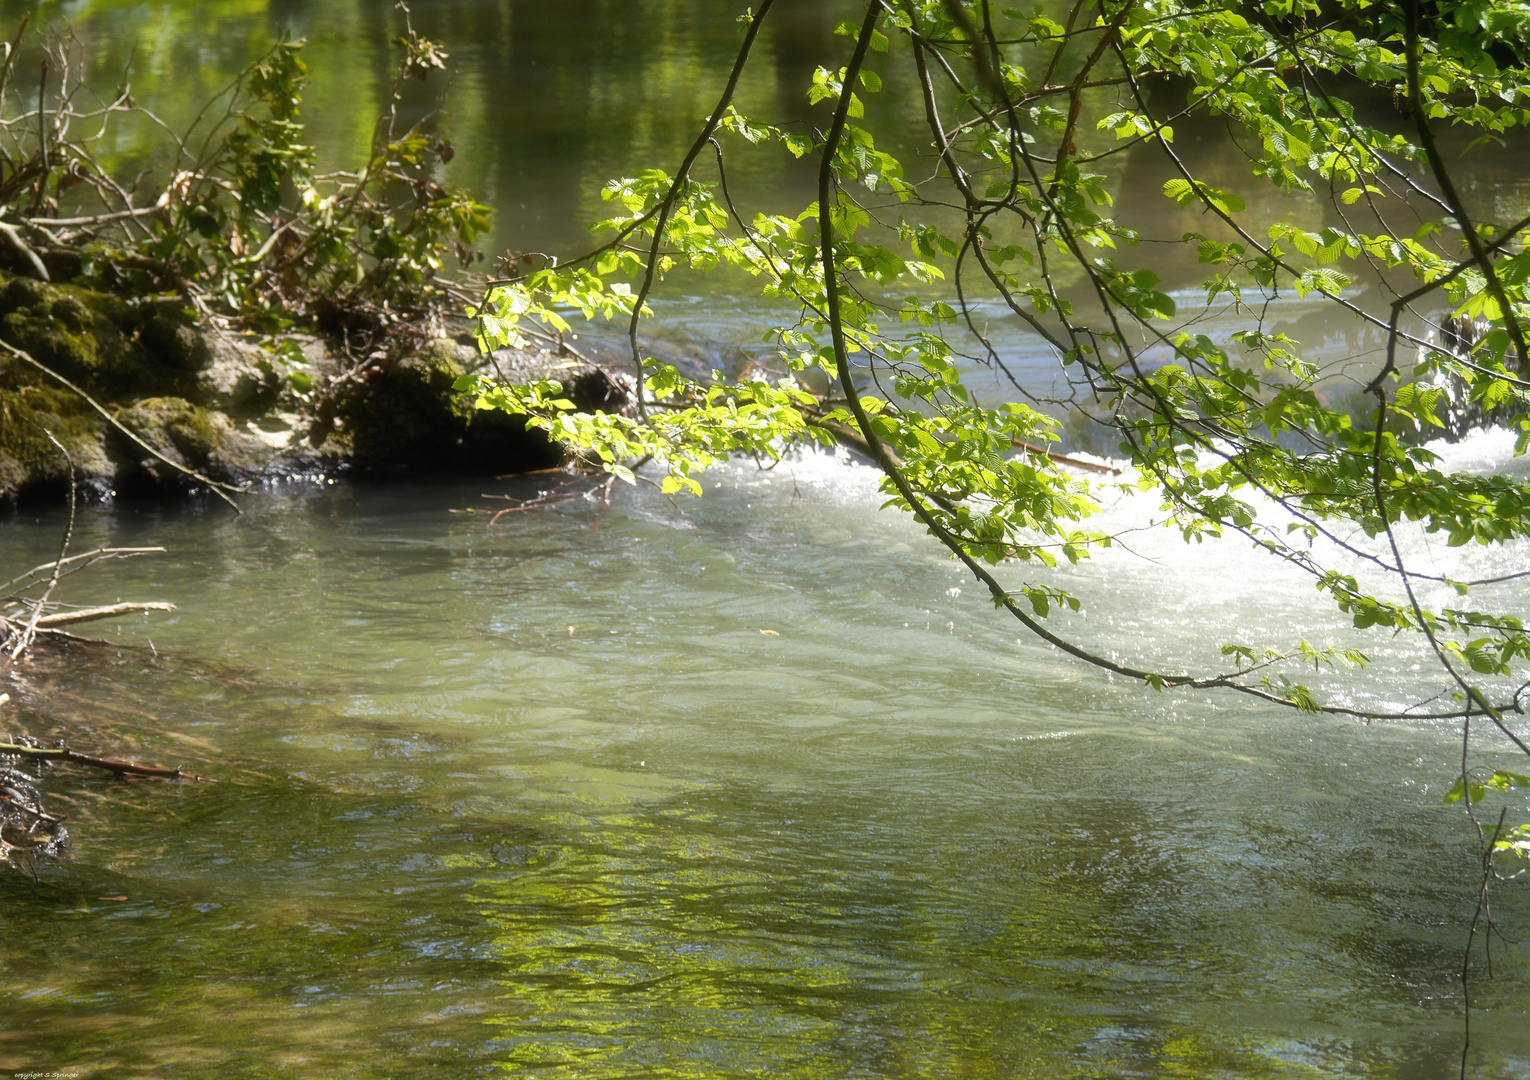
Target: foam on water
1154	600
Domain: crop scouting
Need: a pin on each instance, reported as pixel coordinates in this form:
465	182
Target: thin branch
1448	188
19	644
681	175
121	768
98	553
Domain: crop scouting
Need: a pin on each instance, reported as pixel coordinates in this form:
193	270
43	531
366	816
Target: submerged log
121	768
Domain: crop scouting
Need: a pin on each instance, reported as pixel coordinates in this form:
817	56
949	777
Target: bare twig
86	557
12	52
24	250
17	647
127	768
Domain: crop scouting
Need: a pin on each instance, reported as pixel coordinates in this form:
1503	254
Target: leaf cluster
1238	433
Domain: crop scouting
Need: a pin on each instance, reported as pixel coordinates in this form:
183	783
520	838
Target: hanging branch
681	175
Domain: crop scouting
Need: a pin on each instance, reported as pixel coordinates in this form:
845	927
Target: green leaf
1515	271
1507	781
1460	788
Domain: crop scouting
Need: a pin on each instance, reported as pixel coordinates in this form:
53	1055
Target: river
617	791
761	785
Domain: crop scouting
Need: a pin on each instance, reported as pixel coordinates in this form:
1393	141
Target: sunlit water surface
761	788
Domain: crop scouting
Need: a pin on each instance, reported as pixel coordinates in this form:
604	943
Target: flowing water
757	786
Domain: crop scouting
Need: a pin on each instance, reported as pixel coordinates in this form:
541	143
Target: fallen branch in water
17	643
121	768
68	618
566	492
84	559
23	618
21	809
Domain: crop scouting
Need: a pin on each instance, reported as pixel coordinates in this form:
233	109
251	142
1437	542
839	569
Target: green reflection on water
549	101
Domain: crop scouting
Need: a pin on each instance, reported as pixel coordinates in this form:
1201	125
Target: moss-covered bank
216	404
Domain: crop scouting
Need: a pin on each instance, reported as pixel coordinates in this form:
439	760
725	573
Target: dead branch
85	558
121	768
69	618
24	250
1065	459
16	644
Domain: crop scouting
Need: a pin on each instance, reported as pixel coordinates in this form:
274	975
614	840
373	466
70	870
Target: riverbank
143	400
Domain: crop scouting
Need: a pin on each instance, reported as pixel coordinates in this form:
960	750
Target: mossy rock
22	292
111	347
115	350
177	389
189	435
78	334
407	413
239	379
87	350
171	340
28	459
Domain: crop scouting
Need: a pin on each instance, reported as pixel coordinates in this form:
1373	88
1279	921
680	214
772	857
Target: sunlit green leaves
1321	279
1186	192
1222	423
1515	842
1499	781
1135	289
